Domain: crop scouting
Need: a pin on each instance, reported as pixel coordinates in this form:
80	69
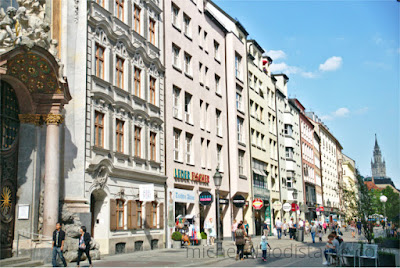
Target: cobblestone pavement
284	252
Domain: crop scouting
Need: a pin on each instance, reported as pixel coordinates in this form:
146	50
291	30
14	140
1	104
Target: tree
365	207
391	208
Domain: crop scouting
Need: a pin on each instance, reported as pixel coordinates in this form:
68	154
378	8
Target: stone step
14	260
28	264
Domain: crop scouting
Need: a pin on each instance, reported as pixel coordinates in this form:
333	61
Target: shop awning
259	172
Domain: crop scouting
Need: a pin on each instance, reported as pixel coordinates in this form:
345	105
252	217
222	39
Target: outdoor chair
334	258
369	252
349	250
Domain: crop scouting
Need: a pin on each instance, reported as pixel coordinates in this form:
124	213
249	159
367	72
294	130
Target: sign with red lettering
295	207
321	208
194	176
258	203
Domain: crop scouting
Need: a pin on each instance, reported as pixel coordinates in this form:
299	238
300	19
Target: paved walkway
284	252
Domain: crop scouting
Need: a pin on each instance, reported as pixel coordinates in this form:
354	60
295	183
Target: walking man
278	226
58	245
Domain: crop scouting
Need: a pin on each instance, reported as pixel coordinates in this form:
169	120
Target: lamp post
383	199
294	194
217	181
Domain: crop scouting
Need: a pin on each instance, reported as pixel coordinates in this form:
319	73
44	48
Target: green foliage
203	235
176	236
378	240
385	254
391	208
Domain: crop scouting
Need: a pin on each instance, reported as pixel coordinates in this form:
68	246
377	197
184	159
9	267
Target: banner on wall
146	192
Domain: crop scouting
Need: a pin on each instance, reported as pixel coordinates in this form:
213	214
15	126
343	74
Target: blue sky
342	59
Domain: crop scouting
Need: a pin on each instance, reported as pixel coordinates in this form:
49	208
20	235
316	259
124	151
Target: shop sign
295	207
239	201
184	196
146	192
277	205
258	203
321	208
205	198
223	201
193	176
304	207
286	207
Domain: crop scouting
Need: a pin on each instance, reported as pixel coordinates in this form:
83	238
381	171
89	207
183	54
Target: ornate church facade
81	119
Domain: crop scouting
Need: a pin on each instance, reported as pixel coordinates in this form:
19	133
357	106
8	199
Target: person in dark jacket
84	245
58	245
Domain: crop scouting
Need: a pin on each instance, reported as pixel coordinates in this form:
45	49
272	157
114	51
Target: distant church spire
378	166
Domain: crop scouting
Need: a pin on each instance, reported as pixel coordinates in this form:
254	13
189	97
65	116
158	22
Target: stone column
52	173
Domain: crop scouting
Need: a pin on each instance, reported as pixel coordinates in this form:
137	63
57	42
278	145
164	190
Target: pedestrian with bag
233	229
84	245
58	245
240	235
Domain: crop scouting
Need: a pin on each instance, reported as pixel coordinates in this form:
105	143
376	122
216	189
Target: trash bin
300	235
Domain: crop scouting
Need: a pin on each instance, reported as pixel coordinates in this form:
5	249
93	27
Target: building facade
125	125
289	152
259	127
308	163
350	185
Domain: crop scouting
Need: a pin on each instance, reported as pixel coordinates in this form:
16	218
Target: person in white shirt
285	227
301	224
278	226
208	228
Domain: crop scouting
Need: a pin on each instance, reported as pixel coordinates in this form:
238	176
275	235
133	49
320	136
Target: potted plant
386	259
176	239
391	242
203	238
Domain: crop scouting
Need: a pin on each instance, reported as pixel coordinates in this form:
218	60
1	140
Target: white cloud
276	54
341	112
282	67
331	64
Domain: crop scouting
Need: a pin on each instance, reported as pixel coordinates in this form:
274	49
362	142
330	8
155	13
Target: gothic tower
378	166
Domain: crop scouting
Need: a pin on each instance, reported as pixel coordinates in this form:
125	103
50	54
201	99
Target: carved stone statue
100	177
26	26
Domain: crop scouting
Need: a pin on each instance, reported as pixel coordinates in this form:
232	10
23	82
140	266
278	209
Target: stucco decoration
100	177
26	26
71	225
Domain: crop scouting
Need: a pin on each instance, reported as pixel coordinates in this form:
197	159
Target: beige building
350	185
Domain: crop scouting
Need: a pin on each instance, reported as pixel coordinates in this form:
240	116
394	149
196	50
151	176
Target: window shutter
148	216
134	215
161	212
129	214
113	214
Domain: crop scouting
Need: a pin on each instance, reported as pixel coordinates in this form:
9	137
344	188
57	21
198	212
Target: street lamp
383	199
217	181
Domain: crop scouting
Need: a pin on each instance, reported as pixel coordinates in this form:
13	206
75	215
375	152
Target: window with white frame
205	40
208	153
206	76
186	25
289	182
241	162
262	141
201	114
219	157
175	15
240	129
200	38
216	50
201	80
289	152
288	129
238	66
217	84
188	66
188	108
239	101
177	142
206	121
203	153
188	147
176	102
218	122
176	56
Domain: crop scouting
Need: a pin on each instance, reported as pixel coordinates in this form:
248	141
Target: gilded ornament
53	119
30	119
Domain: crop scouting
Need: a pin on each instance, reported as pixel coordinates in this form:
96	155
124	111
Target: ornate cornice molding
30	119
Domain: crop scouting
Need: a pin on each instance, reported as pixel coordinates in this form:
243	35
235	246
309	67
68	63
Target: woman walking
84	245
240	234
324	225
